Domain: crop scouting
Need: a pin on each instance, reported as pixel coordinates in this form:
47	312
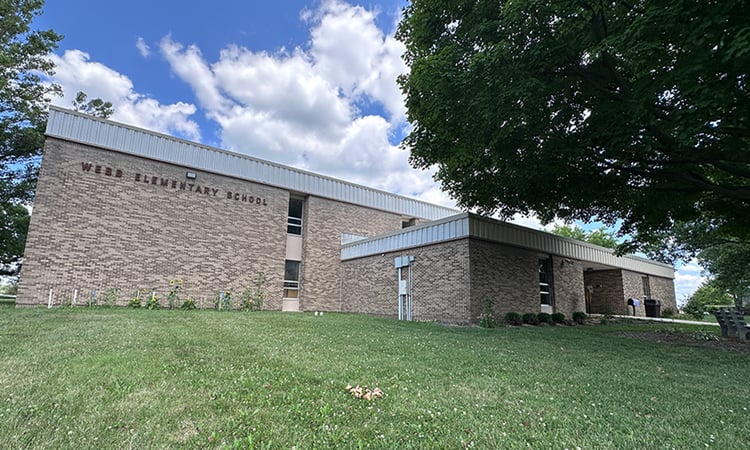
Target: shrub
513	318
544	318
189	303
223	300
153	301
667	312
579	317
694	310
251	299
110	296
487	320
558	318
530	318
173	297
135	301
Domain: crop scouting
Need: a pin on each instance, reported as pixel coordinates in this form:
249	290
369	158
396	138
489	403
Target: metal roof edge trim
55	128
546	242
349	250
575	250
574	241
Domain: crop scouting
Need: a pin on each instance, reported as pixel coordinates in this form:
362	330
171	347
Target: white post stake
75	296
49	302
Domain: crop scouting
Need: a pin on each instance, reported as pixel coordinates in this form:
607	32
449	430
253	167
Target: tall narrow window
291	279
646	287
545	278
294	221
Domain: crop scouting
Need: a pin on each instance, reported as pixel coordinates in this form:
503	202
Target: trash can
653	307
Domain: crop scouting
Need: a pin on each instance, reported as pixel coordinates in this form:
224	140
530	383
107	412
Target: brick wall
324	222
662	289
607	296
568	290
613	288
440	283
507	276
117	229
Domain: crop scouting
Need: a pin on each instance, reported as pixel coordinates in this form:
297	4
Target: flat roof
85	129
468	225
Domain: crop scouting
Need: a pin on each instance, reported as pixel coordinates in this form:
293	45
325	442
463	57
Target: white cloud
75	72
302	107
143	47
688	278
188	64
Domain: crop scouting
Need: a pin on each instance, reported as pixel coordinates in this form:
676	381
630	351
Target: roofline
116	136
472	226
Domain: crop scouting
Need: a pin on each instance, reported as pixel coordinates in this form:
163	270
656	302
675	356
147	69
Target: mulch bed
691	339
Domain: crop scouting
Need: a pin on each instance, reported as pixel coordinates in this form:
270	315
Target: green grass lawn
121	378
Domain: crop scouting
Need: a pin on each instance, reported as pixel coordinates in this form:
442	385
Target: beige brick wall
662	289
607	296
613	288
506	275
324	222
568	290
116	229
440	283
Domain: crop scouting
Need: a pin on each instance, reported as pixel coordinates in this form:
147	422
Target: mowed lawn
123	378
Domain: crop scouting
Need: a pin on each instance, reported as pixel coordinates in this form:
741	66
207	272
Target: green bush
530	318
486	320
513	318
544	318
189	303
579	317
153	301
110	296
558	318
694	310
667	312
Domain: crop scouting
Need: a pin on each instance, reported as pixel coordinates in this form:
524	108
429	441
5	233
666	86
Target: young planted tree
634	110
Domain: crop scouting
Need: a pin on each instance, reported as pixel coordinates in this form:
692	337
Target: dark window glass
294	221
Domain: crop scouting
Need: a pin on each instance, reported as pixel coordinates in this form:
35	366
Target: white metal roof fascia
548	243
470	225
76	127
448	229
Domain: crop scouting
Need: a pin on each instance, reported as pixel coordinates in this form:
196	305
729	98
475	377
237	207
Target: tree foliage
708	295
634	110
23	114
601	236
96	107
729	266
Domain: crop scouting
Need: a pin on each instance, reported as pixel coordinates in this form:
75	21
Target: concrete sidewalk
662	319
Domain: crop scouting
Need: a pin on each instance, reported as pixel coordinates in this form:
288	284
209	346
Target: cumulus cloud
304	106
688	278
143	47
74	71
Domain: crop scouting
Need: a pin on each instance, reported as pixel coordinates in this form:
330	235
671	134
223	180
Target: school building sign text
168	183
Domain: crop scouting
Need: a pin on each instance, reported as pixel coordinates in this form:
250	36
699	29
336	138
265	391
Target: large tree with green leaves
23	117
601	236
635	110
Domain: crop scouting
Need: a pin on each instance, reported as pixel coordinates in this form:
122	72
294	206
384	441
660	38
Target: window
294	221
545	282
406	223
291	279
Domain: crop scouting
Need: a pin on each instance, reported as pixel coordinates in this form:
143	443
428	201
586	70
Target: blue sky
309	83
